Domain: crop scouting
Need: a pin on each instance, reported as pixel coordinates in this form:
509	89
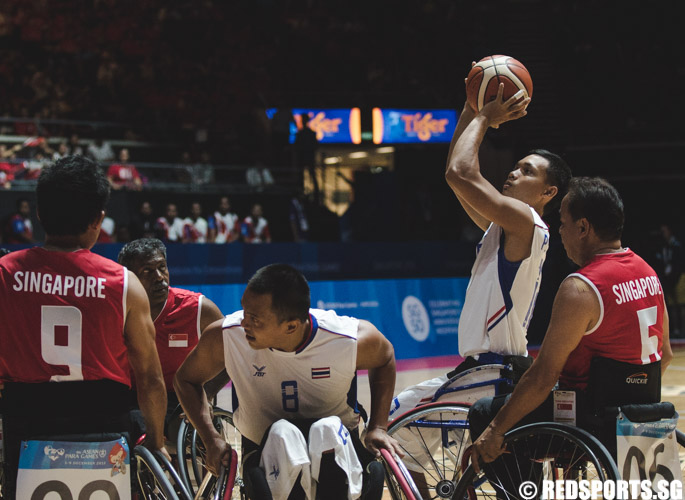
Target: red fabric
632	299
176	324
79	297
123	175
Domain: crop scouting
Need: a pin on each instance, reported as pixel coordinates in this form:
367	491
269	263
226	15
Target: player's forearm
382	384
464	160
196	407
531	391
153	403
465	118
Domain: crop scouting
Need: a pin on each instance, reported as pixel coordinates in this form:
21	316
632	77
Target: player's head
146	258
224	205
171	212
591	215
276	306
196	210
24	207
256	211
72	194
540	179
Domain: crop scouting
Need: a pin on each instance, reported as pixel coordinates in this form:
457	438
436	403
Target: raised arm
139	334
479	197
376	354
202	364
575	311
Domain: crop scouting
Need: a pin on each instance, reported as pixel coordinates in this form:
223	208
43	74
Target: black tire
433	438
152	479
536	452
173	477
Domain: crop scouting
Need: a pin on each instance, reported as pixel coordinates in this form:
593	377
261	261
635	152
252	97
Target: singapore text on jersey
55	284
636	289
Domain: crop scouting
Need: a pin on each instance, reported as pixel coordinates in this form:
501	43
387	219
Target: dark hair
288	288
143	248
558	174
20	201
594	199
71	195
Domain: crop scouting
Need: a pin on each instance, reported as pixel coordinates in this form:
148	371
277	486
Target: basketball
485	77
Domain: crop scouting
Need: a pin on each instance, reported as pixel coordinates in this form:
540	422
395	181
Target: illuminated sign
332	126
413	125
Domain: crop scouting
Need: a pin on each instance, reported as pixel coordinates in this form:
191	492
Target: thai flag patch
178	340
324	372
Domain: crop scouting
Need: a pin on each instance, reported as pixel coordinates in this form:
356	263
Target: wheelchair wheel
398	478
191	450
152	479
537	452
220	488
433	438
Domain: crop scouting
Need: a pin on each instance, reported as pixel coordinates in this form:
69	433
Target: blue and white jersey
501	295
316	381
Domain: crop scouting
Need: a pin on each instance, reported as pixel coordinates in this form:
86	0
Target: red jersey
177	330
630	326
62	316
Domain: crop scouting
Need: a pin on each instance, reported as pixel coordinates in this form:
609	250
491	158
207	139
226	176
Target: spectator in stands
107	231
224	225
124	175
100	150
18	227
671	267
299	225
143	223
255	228
306	144
170	227
6	152
62	151
202	172
259	177
75	145
195	227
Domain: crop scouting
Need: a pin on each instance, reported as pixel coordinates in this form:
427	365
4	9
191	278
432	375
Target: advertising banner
395	126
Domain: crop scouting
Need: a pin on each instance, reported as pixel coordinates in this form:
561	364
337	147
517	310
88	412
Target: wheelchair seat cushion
615	383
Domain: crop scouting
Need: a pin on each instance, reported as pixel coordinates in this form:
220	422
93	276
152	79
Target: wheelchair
230	484
435	435
553	451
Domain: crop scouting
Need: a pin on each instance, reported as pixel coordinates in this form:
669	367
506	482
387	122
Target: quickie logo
637	378
322	125
424	126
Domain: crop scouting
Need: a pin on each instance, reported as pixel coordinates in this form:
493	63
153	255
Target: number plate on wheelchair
74	469
647	450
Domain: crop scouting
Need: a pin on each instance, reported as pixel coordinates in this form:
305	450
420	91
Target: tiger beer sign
392	126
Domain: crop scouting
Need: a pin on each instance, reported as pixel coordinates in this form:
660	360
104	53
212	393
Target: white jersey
225	225
195	231
316	381
501	295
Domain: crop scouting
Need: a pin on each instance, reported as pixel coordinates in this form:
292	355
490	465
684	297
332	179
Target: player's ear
292	326
550	191
583	226
98	220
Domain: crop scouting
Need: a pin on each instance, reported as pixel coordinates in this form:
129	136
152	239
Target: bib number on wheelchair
74	470
647	451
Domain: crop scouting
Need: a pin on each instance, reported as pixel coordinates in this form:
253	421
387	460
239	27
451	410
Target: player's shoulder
233	320
331	321
184	294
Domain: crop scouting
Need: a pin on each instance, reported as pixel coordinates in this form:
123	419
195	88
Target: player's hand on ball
500	111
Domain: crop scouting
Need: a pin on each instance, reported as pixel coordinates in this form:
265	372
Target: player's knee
283	430
329	433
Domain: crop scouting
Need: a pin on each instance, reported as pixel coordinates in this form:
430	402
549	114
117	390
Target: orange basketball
485	77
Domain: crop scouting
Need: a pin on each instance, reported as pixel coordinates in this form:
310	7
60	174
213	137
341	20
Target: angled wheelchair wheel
222	487
152	479
537	452
192	453
399	481
433	438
